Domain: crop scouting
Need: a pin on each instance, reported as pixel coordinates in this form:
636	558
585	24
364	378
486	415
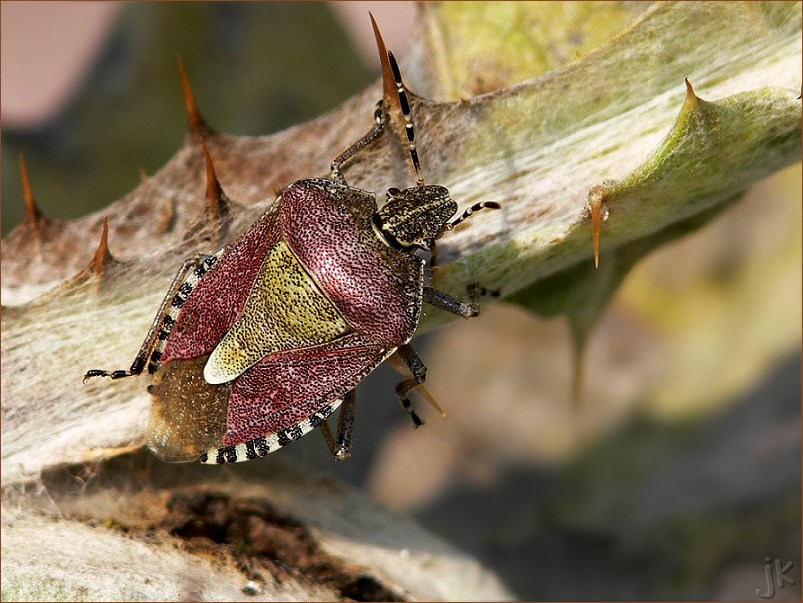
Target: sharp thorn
218	201
196	122
397	101
32	213
691	96
595	198
388	83
102	255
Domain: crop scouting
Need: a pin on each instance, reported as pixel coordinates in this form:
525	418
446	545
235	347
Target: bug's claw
97	373
342	453
94	373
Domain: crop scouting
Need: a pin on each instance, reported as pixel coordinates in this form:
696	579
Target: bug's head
414	217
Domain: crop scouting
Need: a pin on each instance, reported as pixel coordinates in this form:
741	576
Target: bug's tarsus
136	369
101	373
340	445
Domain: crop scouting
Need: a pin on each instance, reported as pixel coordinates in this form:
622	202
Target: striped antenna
409	129
396	93
471	210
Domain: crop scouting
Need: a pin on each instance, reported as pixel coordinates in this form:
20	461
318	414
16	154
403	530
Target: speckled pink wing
328	236
288	387
218	299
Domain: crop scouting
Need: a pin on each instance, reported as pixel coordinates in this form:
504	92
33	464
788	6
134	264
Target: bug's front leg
188	276
446	302
340	446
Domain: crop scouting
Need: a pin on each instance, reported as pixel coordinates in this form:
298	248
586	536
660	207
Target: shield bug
258	343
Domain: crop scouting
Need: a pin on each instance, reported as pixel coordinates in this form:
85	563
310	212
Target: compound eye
393	192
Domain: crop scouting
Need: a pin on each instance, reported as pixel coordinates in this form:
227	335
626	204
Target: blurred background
677	476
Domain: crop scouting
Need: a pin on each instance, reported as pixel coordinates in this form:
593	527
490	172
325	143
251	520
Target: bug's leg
406	357
187	277
373	134
444	301
340	446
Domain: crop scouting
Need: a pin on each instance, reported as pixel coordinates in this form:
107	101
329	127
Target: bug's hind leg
187	277
406	357
340	446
